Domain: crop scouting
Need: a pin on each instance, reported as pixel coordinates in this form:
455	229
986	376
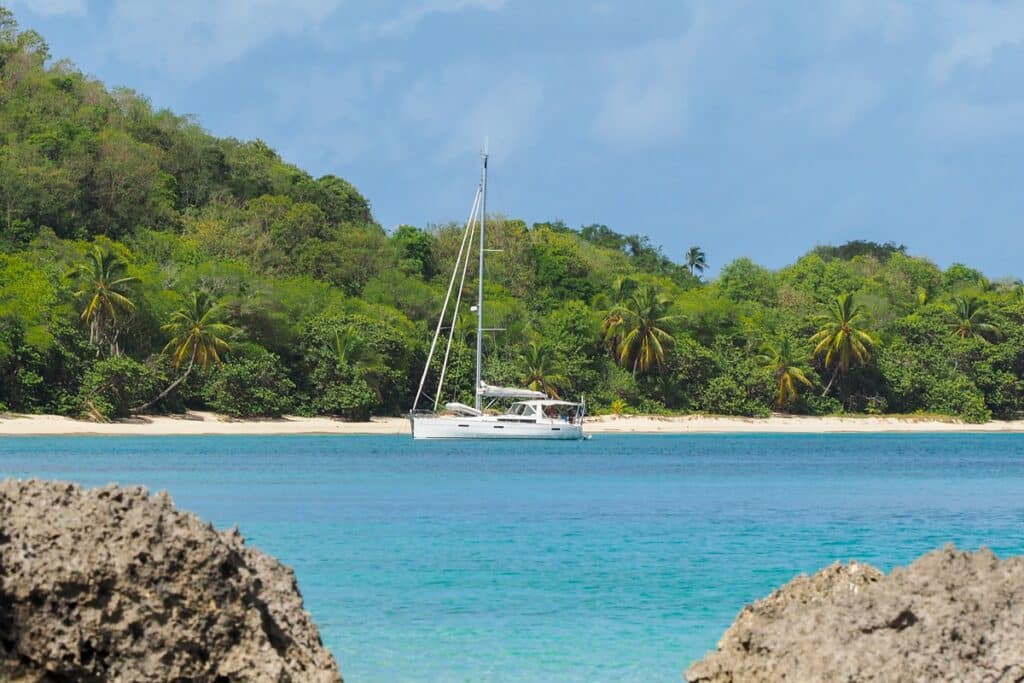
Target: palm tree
611	324
842	338
969	319
103	284
786	364
350	351
541	370
197	337
640	324
696	260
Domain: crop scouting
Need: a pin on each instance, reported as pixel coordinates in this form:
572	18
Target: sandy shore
209	423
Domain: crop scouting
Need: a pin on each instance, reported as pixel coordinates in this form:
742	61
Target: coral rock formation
113	584
950	615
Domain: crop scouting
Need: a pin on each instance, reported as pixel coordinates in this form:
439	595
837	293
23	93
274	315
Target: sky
756	129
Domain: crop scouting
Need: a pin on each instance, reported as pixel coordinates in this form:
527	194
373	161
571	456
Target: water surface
622	558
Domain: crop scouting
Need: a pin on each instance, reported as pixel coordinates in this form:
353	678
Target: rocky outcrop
950	615
113	584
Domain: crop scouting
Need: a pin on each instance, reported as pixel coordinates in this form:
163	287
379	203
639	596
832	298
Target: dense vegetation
146	265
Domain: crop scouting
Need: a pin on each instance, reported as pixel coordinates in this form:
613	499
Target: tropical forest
147	266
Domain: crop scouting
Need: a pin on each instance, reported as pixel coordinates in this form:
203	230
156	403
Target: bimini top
550	402
487	391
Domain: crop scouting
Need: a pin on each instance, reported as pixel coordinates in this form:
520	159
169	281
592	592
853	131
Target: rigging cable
447	298
455	312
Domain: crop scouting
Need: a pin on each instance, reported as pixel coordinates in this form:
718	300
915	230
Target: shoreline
205	423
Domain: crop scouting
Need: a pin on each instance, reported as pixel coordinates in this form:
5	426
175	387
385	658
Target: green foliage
739	386
725	395
618	407
561	269
842	340
855	248
112	387
371	349
253	384
103	290
959	277
957	396
743	280
696	260
782	358
639	329
170	233
970	319
415	251
540	370
197	334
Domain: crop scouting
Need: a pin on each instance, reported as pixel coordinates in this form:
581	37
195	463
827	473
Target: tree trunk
173	385
828	388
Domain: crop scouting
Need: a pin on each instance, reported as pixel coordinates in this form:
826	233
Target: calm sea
620	559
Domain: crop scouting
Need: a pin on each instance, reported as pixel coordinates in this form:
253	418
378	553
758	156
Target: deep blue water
622	558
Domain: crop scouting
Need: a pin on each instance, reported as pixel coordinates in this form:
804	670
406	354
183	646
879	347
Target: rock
950	615
113	584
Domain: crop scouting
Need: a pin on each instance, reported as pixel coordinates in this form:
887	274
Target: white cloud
462	107
893	20
335	117
649	89
834	97
52	7
971	121
407	21
979	30
185	38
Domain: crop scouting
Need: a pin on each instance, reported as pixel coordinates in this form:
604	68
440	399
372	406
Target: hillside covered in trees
148	266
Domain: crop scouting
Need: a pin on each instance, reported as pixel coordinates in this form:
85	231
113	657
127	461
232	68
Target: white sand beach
194	423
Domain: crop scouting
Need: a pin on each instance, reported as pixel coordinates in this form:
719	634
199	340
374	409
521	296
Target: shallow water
622	558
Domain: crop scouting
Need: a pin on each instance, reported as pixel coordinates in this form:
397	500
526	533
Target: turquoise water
621	558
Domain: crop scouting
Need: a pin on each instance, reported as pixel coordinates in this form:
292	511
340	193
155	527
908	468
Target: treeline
148	266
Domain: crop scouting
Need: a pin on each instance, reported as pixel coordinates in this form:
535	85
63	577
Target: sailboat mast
480	288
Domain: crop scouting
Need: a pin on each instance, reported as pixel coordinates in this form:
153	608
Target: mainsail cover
488	391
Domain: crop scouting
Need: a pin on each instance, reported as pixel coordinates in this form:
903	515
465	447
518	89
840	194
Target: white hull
492	427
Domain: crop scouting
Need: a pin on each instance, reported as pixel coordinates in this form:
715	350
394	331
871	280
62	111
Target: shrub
352	398
724	396
960	397
251	386
114	386
811	403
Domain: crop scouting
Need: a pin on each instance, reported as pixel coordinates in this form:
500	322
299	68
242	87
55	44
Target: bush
725	396
251	386
350	398
113	387
810	403
958	396
383	352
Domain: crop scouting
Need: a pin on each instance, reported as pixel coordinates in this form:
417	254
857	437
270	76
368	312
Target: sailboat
531	414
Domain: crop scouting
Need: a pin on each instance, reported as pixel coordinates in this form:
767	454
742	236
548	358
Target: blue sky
749	128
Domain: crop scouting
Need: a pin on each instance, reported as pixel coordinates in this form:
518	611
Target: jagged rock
950	615
113	584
